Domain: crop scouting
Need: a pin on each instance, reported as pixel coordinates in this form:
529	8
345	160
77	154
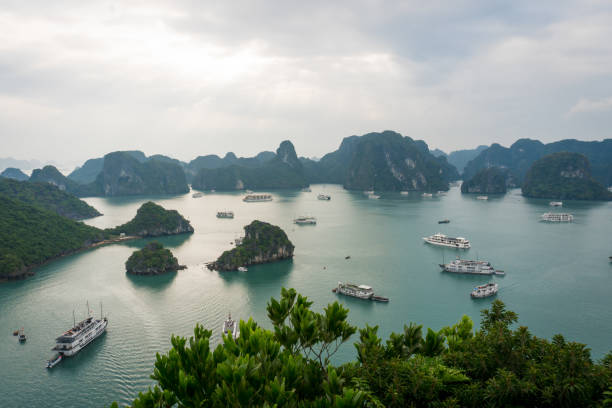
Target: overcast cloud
183	78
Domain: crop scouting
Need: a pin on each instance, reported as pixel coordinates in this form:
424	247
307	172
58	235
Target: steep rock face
89	171
563	176
334	166
49	197
491	180
14	173
460	158
153	220
284	170
50	174
124	175
262	243
153	259
519	157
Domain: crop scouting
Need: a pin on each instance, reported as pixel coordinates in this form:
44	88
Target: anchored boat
359	291
231	327
81	334
305	220
470	267
323	197
557	217
257	198
225	214
484	291
442	240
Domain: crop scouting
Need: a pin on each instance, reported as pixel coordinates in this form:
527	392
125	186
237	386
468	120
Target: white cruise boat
482	198
404	193
256	198
323	197
427	195
470	267
225	214
83	333
373	196
232	326
484	291
359	291
368	192
557	217
243	269
556	203
443	240
305	220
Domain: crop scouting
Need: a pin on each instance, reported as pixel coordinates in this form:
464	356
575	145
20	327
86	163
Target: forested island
491	180
153	220
153	259
262	243
498	365
563	176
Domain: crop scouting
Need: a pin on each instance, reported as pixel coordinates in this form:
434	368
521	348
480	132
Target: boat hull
86	340
448	245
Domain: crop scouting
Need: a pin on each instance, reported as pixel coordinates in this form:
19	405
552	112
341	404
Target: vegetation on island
282	171
49	197
519	157
262	243
153	259
153	220
491	180
89	171
292	365
14	173
31	235
563	176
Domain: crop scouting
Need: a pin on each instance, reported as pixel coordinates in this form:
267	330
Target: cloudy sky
82	78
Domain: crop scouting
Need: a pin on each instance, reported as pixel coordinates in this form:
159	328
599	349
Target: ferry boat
83	333
445	221
242	269
470	267
359	291
373	196
484	291
256	198
443	240
305	221
225	214
323	197
307	190
232	326
404	193
557	217
54	361
556	203
197	195
482	197
427	195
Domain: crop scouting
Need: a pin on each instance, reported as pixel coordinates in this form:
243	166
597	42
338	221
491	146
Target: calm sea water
558	279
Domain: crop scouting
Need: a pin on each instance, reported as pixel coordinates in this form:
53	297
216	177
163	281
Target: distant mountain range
15	174
519	157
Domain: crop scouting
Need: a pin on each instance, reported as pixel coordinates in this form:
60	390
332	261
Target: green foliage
30	235
491	180
290	367
563	176
153	220
152	259
262	242
48	197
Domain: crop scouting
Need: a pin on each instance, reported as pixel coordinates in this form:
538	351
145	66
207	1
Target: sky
185	78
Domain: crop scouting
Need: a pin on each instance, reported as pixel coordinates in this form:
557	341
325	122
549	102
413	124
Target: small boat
323	197
22	336
306	190
212	190
349	257
556	203
484	291
225	214
373	196
426	195
231	326
197	195
242	269
54	361
305	220
359	291
482	198
445	221
16	333
368	192
404	193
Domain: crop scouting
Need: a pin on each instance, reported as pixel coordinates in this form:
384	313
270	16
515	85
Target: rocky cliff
262	243
491	180
564	176
153	259
153	220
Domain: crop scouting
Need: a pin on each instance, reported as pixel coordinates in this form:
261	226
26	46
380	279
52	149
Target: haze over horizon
78	80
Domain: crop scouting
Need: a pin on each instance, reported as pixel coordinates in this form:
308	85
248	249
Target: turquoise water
558	279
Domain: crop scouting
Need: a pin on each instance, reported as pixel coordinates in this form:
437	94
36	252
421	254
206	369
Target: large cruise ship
470	267
83	333
443	240
256	198
359	291
557	217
